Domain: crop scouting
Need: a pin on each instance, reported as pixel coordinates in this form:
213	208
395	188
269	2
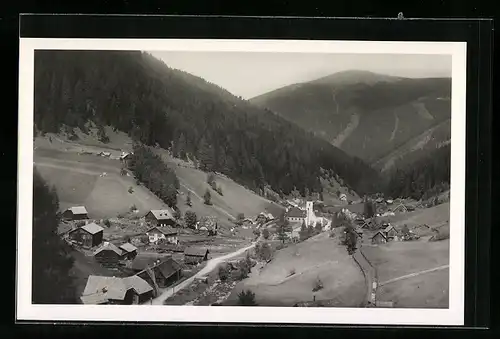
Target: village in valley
153	224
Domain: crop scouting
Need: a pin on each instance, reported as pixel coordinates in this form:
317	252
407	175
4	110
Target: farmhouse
379	238
193	255
108	254
111	290
143	261
168	234
295	214
209	224
160	218
166	272
390	232
89	235
129	251
75	213
343	197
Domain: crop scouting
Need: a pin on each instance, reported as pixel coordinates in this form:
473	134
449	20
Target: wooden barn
166	272
193	255
379	238
166	233
101	290
129	251
108	254
160	218
75	213
89	235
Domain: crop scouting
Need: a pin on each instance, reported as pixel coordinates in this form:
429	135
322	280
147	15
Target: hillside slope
365	114
154	104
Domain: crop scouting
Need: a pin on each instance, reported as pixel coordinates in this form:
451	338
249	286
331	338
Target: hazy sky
249	74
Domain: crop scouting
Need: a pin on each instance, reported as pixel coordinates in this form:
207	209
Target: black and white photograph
279	180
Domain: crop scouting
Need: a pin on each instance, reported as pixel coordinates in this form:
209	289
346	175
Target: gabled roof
128	247
169	267
141	262
388	228
164	230
379	233
92	228
162	214
295	212
101	289
196	251
78	210
109	247
138	284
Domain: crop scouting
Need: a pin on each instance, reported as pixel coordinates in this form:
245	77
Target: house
343	197
89	235
75	213
160	218
209	224
105	154
193	255
401	208
101	290
379	238
109	254
165	272
129	251
295	214
168	234
390	232
142	261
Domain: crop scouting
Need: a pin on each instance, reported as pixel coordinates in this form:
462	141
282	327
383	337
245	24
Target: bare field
429	290
399	258
318	257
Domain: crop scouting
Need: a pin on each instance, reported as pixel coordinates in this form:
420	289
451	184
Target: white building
311	217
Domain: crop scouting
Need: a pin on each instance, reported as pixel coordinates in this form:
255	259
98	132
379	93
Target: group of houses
307	215
149	273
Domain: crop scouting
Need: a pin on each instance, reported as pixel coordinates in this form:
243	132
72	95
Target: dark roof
141	262
165	230
195	251
173	247
169	267
109	247
295	212
381	233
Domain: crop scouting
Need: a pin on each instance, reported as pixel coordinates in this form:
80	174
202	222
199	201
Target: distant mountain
368	115
157	105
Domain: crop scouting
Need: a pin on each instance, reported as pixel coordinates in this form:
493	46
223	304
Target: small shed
108	254
163	217
165	271
129	251
379	238
193	255
89	235
75	213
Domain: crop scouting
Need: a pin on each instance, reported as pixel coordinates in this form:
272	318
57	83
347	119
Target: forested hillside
52	262
155	104
365	114
427	174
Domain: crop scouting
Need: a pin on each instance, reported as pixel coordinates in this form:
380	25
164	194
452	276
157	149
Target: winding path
211	265
411	275
369	273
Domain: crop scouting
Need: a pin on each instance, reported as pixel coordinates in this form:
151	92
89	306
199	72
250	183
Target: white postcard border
454	315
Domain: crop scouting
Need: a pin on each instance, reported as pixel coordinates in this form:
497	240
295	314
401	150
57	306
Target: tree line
150	170
155	104
427	175
51	261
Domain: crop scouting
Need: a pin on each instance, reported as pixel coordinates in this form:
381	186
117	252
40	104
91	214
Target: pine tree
188	199
205	155
207	198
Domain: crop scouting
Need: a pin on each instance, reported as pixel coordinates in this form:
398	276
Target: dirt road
211	265
411	275
368	272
